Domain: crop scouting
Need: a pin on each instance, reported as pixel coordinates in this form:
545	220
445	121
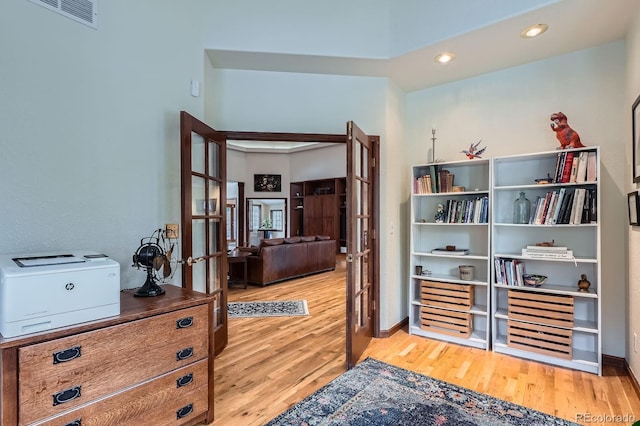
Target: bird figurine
567	137
473	151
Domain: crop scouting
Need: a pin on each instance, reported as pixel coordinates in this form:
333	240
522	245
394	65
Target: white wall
286	102
509	110
89	125
358	28
633	233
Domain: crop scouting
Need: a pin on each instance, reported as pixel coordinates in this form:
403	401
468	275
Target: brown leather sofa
280	259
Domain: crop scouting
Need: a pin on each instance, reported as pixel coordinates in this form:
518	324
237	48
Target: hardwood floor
271	363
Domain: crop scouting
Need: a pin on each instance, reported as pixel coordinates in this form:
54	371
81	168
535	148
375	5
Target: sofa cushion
322	237
271	242
292	240
308	238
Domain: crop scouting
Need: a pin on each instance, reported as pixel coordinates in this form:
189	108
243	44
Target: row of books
509	271
467	211
437	180
545	252
565	207
576	167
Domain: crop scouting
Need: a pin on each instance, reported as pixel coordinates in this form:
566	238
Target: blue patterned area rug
274	308
375	393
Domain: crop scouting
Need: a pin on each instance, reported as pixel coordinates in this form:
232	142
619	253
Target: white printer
43	291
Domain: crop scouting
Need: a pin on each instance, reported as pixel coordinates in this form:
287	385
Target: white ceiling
487	47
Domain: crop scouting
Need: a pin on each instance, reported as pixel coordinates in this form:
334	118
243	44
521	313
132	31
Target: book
581	174
550	255
566	171
565	210
543	210
554	219
576	213
456	252
586	208
574	169
547	249
434	181
592	166
552	205
559	167
593	200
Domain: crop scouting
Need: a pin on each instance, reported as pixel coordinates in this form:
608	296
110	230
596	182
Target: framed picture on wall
633	204
635	120
267	183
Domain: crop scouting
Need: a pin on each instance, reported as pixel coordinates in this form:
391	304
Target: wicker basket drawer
61	374
550	309
538	338
445	321
447	295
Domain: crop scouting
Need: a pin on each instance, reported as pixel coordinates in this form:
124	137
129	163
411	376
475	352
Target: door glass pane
365	163
214	155
364	198
358	196
357	156
199	277
364	236
197	153
215	273
198	199
214	236
214	197
365	271
198	238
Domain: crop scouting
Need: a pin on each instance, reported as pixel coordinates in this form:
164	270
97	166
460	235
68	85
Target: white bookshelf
427	235
581	345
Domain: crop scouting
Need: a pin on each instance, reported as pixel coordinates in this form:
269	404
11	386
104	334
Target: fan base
149	289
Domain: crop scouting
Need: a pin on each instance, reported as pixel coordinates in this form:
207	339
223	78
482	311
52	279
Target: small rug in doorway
274	308
374	393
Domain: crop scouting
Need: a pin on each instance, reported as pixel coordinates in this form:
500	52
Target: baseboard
390	332
634	381
615	361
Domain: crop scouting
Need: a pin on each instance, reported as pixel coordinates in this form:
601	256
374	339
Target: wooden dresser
151	365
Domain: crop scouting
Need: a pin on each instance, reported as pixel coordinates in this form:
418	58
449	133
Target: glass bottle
521	209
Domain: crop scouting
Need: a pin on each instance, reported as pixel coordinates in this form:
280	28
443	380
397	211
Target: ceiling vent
84	11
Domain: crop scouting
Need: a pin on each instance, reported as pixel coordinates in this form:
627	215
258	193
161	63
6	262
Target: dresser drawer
61	374
175	398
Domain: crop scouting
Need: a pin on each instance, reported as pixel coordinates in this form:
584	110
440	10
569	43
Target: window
256	214
276	219
231	222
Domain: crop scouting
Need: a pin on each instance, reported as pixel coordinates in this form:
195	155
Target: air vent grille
84	11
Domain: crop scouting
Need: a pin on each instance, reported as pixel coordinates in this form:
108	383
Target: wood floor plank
272	363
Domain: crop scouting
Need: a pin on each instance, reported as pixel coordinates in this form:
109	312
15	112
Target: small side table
238	273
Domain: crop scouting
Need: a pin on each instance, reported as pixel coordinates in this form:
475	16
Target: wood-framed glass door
361	247
203	161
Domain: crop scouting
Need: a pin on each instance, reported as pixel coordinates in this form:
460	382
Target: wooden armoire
318	207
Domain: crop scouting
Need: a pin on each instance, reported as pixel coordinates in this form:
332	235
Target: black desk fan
152	256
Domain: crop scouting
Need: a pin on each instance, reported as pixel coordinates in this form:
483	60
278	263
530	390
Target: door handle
191	260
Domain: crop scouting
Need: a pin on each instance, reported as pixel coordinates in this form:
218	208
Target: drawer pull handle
184	411
77	422
67	354
184	380
184	354
184	322
66	395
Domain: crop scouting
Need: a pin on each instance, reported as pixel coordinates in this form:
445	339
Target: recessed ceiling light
443	58
534	30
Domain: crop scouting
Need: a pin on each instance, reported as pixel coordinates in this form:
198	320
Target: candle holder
433	145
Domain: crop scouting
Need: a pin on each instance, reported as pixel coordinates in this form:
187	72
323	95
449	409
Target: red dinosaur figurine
567	137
